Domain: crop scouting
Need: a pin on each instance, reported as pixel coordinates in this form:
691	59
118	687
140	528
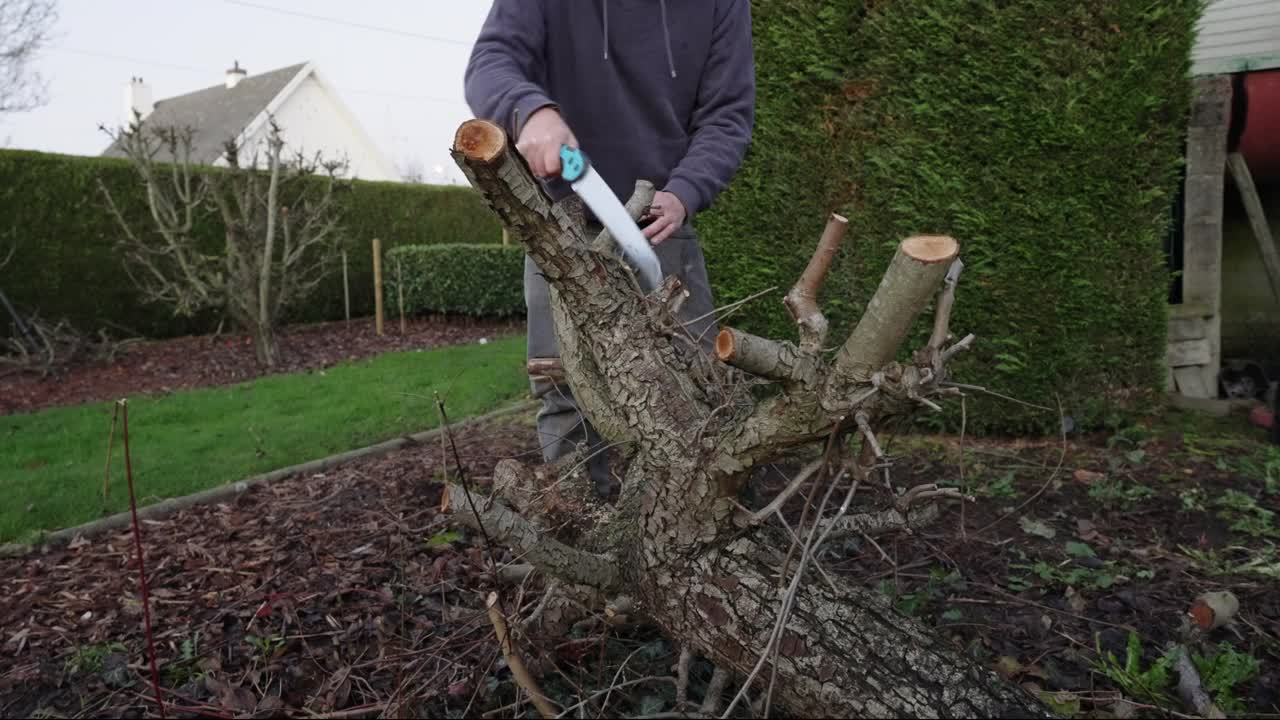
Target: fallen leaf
1037	528
1008	667
1088	476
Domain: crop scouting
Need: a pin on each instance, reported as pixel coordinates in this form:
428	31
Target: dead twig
514	661
123	406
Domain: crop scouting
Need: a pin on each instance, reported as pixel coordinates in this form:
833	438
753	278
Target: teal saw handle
573	163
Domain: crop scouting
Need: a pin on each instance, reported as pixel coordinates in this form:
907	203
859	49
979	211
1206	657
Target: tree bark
713	577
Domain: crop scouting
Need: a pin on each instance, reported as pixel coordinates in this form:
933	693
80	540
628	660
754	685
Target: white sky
405	88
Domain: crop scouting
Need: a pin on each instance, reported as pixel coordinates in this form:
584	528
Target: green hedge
1044	135
67	264
476	280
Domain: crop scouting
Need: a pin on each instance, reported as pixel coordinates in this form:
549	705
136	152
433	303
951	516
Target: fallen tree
729	582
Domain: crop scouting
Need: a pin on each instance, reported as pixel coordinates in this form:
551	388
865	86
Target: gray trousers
561	426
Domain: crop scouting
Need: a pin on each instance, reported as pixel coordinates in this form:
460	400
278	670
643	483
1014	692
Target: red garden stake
142	570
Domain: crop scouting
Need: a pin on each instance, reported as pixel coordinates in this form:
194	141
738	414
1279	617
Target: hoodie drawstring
666	37
666	34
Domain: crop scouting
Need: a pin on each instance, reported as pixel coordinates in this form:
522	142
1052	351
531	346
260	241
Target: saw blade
597	195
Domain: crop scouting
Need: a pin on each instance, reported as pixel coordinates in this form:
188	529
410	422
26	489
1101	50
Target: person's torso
631	116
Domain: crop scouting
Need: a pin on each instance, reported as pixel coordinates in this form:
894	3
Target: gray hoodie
661	90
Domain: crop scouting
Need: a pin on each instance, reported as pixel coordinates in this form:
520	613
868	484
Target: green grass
51	462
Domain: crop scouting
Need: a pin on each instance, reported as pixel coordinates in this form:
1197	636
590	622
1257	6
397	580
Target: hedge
458	279
67	264
1044	135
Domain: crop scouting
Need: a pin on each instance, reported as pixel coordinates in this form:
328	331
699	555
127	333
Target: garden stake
346	289
400	292
111	441
142	570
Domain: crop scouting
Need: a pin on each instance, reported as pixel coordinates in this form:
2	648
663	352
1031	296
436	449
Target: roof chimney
235	75
137	97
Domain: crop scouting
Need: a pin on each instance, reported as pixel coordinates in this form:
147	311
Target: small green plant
1150	684
267	646
185	669
1265	467
1001	487
444	538
1222	673
1263	561
1246	515
89	659
1192	499
1118	493
914	603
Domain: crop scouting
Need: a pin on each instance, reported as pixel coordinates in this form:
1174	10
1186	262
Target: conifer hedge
67	264
1043	134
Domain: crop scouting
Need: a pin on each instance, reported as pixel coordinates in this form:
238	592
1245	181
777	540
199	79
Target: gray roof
217	113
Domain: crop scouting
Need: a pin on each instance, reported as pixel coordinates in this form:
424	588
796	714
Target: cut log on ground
739	589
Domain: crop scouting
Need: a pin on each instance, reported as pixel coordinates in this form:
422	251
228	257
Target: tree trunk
712	574
265	345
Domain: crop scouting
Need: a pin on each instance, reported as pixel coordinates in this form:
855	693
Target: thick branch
511	530
554	240
802	300
909	282
780	361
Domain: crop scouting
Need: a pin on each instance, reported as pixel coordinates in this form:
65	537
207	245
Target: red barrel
1260	141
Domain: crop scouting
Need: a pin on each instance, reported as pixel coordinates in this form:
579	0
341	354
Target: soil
350	593
162	366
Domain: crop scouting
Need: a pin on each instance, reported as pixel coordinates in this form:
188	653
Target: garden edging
230	490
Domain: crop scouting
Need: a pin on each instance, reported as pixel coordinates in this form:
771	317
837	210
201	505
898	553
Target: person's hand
540	140
668	215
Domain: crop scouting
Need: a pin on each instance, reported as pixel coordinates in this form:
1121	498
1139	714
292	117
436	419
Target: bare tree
281	228
25	26
740	586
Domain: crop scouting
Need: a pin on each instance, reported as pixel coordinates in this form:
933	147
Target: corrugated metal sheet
1237	36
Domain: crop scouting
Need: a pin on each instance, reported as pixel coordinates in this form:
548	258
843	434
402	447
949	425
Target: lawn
51	462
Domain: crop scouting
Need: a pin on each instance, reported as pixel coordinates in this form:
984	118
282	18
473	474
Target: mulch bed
163	366
315	593
347	593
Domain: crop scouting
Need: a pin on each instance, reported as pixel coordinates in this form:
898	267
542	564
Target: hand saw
576	169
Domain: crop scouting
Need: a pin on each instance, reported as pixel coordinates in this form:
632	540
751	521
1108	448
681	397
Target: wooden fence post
346	289
400	292
377	284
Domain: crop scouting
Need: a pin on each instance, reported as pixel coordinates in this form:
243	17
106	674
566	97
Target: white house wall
1237	36
310	121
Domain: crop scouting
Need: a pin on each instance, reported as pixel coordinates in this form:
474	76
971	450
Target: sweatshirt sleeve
503	81
723	113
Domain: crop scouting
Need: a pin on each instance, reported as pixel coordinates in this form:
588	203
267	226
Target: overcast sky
401	73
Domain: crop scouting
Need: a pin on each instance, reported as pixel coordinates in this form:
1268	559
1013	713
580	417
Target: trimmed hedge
1044	135
67	264
476	280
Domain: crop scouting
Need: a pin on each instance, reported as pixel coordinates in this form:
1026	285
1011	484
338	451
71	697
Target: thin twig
123	405
514	661
619	686
776	504
715	689
979	388
682	676
1052	476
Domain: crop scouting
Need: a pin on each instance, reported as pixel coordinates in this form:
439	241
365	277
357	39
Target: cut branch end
480	140
930	249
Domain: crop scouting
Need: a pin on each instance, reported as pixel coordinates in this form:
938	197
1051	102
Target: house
1224	324
307	108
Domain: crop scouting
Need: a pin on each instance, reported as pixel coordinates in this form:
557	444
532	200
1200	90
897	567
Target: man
650	90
